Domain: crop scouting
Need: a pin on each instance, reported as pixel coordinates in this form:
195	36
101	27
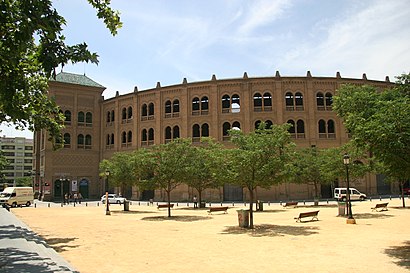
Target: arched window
168	108
195	106
81	118
80	141
151	136
320	101
236	125
289	101
87	142
108	117
67	140
112	139
107	143
292	129
129	112
175	132
67	115
257	102
123	138
168	134
299	101
269	124
112	116
124	114
300	129
204	105
144	135
225	128
267	102
257	123
322	129
331	129
236	105
226	104
196	133
144	112
151	110
205	130
129	137
328	101
175	106
89	119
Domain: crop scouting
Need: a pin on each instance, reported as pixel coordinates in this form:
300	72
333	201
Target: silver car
113	199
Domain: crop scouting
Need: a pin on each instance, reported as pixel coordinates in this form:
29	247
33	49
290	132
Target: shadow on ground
272	230
16	260
131	212
60	244
402	253
376	215
186	218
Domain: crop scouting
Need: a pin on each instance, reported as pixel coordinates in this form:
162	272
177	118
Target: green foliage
3	161
261	158
31	47
380	123
24	181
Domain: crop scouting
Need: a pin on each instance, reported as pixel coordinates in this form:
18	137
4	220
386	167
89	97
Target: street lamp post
107	205
350	219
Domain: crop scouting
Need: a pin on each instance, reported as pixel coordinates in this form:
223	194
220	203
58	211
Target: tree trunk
250	208
169	200
402	193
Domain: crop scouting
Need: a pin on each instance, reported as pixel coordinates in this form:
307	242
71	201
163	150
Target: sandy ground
145	240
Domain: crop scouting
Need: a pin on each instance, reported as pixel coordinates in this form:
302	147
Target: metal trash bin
202	204
126	205
342	208
243	218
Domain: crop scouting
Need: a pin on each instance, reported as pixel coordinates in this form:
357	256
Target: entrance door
84	188
233	193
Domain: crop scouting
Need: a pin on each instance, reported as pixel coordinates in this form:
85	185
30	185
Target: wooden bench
312	214
162	206
290	204
213	209
381	206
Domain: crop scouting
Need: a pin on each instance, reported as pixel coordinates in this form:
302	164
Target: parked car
406	191
340	194
113	199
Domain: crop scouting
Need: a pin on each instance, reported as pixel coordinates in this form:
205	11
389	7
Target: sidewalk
21	250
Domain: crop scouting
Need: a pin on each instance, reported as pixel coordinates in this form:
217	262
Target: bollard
380	198
268	203
139	203
327	201
49	204
177	204
98	204
280	203
390	197
35	205
233	204
74	204
370	198
61	205
221	204
86	204
187	204
304	202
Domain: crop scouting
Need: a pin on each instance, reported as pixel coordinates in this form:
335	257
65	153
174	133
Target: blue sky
165	41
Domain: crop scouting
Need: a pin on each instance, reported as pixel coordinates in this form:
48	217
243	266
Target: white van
340	194
17	196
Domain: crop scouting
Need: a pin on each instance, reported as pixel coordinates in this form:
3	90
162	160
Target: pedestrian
66	199
195	202
80	196
75	197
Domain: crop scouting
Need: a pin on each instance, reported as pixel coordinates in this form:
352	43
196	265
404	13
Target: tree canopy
31	48
379	121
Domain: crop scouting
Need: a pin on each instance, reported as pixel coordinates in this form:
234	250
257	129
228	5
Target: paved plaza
145	240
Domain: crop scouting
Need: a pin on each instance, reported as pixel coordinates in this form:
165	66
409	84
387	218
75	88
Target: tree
260	159
31	48
205	167
24	182
317	167
380	123
171	166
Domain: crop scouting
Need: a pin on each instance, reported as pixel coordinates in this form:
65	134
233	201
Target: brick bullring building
95	128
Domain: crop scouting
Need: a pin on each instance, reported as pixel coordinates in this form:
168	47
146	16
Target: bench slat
212	209
312	214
